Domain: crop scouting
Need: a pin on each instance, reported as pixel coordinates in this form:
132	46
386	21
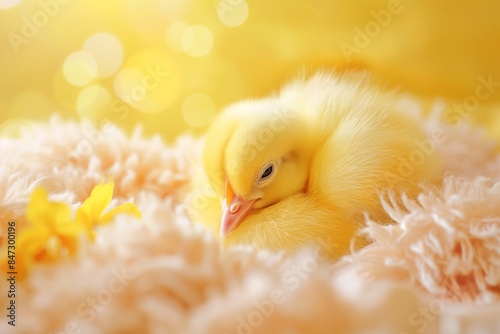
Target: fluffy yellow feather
302	167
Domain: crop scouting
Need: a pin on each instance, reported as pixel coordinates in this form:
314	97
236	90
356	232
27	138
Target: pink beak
234	211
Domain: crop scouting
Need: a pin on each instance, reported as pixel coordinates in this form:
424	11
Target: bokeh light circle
7	4
173	35
129	86
150	81
107	50
198	110
79	68
93	102
14	127
197	40
232	13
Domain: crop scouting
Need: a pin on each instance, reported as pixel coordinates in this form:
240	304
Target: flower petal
31	242
42	212
72	229
93	207
127	208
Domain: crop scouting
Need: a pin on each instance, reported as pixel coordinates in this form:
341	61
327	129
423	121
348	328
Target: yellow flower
91	212
52	234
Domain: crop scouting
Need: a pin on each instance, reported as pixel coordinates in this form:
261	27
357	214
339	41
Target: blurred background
171	65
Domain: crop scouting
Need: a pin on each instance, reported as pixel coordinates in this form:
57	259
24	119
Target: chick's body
304	166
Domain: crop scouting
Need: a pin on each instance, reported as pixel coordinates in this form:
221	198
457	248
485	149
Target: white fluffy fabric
435	270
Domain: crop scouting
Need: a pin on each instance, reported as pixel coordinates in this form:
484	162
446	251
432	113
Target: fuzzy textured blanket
436	270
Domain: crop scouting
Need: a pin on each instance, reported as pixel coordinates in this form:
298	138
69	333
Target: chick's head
256	155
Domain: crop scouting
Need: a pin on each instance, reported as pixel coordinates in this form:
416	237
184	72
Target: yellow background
215	52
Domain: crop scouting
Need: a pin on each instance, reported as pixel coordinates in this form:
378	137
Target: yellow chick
304	166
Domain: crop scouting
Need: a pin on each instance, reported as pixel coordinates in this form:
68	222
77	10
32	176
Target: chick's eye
267	173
